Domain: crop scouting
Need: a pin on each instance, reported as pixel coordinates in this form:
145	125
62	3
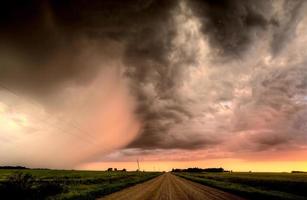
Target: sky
171	83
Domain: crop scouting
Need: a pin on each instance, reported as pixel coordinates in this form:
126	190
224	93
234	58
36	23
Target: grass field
66	184
255	186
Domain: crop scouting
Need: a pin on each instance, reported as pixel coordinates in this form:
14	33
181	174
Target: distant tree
115	169
177	170
124	170
214	170
110	169
13	167
196	169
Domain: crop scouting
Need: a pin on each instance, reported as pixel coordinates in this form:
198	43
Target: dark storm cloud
230	24
285	30
52	38
274	117
233	24
232	27
154	140
49	43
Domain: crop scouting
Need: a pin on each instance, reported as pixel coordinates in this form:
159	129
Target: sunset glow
234	164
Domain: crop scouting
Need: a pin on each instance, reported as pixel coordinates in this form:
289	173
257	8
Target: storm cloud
224	75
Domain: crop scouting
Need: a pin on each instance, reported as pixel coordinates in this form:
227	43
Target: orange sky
282	161
229	164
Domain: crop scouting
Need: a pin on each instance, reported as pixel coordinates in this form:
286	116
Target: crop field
269	186
66	184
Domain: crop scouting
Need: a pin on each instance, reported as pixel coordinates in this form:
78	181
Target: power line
90	140
61	129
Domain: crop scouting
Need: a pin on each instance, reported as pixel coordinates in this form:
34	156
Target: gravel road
170	187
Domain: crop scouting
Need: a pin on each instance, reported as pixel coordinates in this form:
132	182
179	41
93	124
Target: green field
255	186
66	184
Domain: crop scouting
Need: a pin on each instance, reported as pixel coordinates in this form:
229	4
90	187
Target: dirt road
170	187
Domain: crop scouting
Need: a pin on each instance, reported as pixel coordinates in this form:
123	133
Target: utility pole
137	160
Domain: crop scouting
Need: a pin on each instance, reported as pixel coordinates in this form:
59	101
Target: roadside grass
255	186
66	184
